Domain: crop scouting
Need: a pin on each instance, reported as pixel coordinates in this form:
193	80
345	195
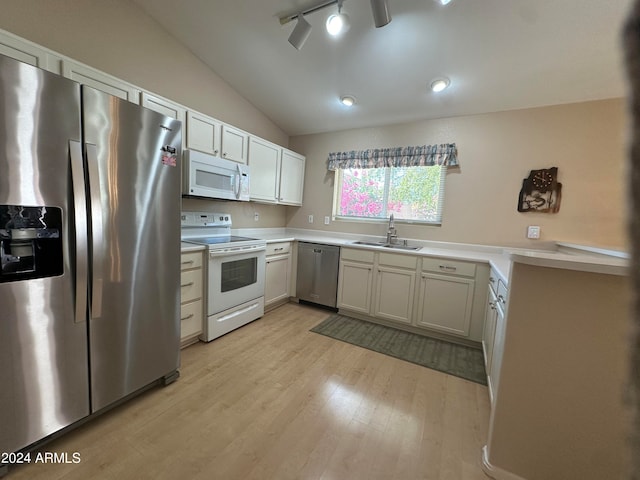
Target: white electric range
235	272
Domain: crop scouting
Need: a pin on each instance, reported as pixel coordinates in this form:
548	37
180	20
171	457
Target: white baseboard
495	472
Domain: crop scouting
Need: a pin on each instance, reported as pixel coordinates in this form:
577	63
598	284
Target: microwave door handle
80	218
96	231
238	182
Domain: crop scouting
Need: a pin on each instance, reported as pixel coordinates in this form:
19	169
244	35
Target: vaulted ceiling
498	54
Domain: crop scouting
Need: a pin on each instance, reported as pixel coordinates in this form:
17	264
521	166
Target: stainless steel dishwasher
317	280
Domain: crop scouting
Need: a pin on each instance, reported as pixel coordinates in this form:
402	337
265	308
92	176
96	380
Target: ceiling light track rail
288	18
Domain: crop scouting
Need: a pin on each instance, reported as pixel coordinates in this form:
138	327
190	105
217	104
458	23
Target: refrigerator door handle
80	216
96	230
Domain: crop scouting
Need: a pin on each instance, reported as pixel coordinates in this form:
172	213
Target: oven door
235	277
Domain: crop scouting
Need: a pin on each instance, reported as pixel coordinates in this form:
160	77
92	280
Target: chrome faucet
392	236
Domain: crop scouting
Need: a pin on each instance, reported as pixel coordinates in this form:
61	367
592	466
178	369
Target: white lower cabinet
191	297
494	331
445	303
355	280
422	293
277	274
395	287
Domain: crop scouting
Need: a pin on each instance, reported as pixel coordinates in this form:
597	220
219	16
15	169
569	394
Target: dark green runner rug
458	360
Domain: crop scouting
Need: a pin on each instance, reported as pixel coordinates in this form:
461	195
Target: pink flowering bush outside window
410	193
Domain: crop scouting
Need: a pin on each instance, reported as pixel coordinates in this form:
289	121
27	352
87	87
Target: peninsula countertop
556	255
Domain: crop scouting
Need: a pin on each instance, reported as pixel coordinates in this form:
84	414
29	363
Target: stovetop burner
214	240
213	230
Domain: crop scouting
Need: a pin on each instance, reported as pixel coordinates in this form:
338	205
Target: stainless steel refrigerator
89	251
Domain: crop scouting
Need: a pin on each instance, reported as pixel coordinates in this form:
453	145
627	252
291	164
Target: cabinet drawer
451	267
190	260
191	319
501	293
190	285
278	248
394	260
356	255
493	281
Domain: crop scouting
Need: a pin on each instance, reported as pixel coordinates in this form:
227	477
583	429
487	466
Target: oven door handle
238	251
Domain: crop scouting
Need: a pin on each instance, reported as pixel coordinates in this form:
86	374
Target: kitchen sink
371	244
398	246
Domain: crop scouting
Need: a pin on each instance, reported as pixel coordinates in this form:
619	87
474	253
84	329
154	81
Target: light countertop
186	247
560	255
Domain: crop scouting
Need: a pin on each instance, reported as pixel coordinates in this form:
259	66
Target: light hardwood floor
275	401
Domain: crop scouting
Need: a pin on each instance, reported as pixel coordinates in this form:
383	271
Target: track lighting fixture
300	33
380	10
336	23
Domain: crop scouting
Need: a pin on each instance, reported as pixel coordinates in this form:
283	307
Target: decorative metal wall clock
540	192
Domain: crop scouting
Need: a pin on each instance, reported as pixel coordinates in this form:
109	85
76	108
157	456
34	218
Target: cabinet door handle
492	305
501	299
187	317
186	284
447	268
189	262
491	279
278	249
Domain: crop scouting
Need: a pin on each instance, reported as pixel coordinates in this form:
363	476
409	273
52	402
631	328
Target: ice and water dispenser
30	242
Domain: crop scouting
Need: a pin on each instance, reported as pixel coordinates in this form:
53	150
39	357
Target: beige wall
496	151
115	36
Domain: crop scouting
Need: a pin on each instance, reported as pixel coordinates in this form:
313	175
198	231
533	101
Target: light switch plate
310	218
533	232
326	220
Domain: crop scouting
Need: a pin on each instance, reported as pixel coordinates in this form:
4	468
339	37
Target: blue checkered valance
424	155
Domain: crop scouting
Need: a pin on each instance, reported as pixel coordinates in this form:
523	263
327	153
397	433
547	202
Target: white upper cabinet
291	178
264	162
27	52
100	81
235	144
203	133
164	106
277	174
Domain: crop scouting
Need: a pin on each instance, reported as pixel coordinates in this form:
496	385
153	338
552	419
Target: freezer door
133	161
44	381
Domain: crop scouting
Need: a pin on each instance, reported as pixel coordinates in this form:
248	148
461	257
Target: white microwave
214	177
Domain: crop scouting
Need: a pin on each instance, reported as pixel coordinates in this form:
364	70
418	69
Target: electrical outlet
310	218
326	220
533	232
256	216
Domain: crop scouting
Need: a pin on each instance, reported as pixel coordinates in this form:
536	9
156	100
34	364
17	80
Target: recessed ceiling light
347	100
443	2
439	84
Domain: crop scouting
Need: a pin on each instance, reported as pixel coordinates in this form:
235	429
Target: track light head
300	33
381	15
